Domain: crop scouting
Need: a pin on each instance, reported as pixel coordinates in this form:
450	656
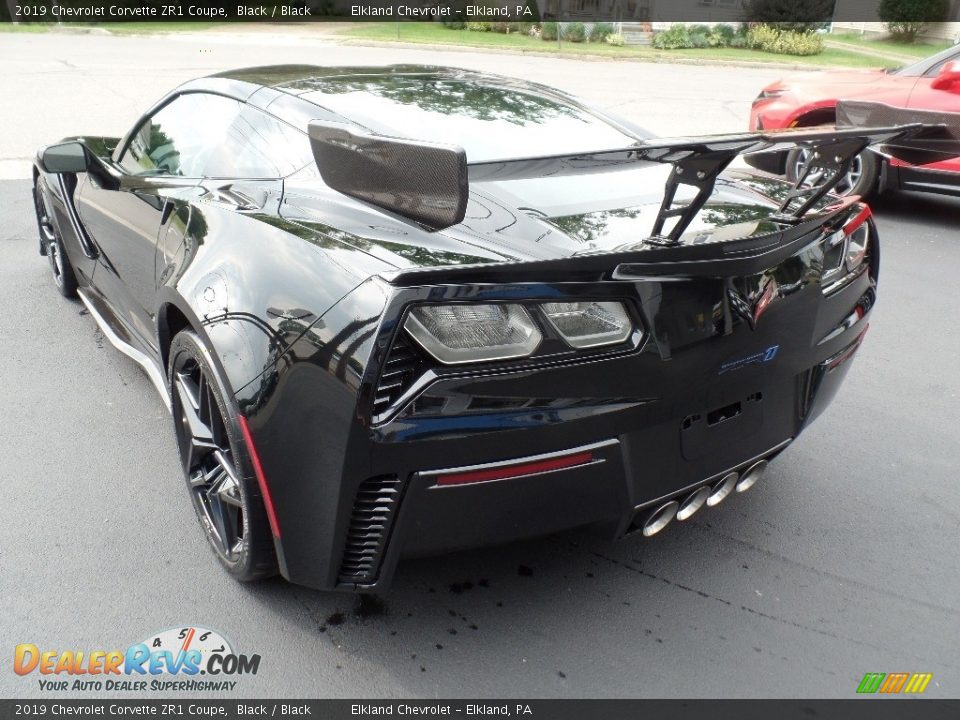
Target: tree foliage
906	19
801	16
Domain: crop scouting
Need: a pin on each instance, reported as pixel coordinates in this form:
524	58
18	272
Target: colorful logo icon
893	683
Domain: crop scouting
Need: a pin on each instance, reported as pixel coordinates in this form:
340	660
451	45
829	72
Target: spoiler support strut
697	171
829	164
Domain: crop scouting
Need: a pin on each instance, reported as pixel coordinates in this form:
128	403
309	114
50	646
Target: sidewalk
873	52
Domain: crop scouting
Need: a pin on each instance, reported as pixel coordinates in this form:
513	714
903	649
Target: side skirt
940	182
143	360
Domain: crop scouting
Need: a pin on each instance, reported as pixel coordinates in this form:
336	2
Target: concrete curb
333	38
76	30
662	59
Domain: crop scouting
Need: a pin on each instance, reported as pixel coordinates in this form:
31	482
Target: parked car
404	310
810	100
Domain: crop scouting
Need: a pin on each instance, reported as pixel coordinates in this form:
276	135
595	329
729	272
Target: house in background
868	22
637	20
646	11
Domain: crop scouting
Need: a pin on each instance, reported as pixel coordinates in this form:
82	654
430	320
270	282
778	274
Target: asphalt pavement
842	561
56	85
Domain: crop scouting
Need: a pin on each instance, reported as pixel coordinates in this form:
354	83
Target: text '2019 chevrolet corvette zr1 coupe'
403	310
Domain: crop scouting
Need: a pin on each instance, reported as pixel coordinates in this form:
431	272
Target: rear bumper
597	493
626	476
704	393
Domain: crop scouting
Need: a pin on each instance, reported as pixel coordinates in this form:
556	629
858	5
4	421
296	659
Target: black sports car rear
462	309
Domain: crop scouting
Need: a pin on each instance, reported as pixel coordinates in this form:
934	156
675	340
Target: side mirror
949	77
65	157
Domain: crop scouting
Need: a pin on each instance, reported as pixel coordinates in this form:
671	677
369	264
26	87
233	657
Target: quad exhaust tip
751	475
709	495
660	518
722	488
693	502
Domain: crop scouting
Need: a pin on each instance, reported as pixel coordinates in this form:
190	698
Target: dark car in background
404	310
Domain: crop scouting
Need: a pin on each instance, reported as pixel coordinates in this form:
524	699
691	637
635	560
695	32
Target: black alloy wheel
52	246
219	478
860	179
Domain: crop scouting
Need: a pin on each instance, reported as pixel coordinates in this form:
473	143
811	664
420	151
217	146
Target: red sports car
930	84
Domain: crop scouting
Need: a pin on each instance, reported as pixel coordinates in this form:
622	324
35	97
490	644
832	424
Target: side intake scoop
422	181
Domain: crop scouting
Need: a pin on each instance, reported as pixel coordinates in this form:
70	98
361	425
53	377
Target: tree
906	19
795	15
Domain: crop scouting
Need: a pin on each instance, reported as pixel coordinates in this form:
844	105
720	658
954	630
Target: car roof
445	103
287	75
299	80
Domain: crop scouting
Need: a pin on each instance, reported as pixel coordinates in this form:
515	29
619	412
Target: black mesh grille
404	364
373	512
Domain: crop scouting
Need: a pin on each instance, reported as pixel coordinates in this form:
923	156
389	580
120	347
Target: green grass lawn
143	28
23	27
439	35
919	49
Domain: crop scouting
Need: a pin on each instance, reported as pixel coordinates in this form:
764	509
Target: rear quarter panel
250	283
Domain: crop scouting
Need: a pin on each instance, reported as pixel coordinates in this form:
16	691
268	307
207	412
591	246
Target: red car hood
828	87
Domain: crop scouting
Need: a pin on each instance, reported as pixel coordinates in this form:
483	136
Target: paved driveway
844	560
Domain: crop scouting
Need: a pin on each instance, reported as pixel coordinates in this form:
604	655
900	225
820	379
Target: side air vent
373	512
404	365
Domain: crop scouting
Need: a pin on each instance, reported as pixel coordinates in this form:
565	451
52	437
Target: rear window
490	123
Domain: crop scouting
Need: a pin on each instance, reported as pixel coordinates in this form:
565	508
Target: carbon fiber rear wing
429	183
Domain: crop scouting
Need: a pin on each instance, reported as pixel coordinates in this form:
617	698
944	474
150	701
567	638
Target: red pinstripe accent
261	477
511	471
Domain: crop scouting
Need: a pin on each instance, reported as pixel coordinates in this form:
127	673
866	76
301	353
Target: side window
181	137
935	69
257	145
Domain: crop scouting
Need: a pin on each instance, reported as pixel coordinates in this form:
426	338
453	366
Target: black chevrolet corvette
405	310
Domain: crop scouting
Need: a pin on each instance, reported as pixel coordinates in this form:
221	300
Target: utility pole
12	10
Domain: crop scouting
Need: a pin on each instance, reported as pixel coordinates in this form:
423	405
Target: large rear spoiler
429	182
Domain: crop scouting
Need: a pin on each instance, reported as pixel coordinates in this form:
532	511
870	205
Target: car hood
838	77
531	220
863	84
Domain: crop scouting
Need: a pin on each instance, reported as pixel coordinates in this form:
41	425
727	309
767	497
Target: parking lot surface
842	561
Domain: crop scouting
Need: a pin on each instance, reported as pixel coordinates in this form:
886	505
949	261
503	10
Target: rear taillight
846	250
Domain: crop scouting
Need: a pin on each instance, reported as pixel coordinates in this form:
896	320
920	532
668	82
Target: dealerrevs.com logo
181	659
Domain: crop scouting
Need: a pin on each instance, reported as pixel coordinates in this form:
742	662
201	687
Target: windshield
930	65
489	122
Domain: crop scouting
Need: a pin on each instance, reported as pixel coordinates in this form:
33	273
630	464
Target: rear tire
51	245
219	476
862	179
